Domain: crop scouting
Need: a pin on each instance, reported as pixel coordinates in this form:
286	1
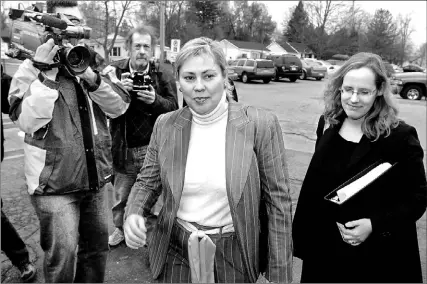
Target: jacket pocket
69	172
103	156
39	164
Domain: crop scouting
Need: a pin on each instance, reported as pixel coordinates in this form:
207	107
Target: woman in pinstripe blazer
222	170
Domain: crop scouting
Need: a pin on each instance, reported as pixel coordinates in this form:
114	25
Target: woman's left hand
355	232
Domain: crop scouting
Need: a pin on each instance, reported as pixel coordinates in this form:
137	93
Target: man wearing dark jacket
131	132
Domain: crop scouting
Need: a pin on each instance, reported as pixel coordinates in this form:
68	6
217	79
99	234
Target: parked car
389	68
397	68
410	85
232	75
312	69
330	68
413	68
254	69
287	66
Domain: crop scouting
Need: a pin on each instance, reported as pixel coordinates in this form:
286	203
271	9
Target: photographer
131	132
67	157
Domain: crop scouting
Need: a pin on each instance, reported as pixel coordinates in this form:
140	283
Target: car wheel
293	79
412	92
266	81
303	76
319	79
276	76
245	78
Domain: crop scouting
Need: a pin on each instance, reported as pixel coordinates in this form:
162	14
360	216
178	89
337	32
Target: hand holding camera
139	86
126	81
46	52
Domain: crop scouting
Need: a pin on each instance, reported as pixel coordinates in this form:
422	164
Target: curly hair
204	46
382	117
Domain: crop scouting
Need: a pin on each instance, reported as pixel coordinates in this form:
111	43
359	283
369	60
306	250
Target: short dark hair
52	4
142	30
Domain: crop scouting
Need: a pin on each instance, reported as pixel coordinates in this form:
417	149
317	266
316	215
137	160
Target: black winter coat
391	252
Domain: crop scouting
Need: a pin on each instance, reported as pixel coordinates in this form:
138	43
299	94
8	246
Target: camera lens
75	57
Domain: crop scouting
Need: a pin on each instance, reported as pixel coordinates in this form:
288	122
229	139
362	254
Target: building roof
300	47
286	46
248	44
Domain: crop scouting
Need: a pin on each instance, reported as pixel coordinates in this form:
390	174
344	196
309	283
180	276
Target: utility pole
162	31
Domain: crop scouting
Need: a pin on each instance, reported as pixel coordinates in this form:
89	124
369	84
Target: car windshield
265	64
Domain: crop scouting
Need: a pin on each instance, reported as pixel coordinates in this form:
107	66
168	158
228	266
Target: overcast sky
416	8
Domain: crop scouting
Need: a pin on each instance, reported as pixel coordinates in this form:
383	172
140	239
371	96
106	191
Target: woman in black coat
381	244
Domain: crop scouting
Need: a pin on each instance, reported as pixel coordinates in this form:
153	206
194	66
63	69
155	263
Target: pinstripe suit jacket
257	187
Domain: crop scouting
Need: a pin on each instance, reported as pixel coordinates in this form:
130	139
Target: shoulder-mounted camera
30	29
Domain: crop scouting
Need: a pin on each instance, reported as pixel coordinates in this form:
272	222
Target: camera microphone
48	20
53	22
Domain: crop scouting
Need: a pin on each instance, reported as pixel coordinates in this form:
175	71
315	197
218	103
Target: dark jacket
390	253
5	85
134	128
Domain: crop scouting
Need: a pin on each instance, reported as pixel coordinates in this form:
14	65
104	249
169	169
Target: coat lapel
179	151
239	151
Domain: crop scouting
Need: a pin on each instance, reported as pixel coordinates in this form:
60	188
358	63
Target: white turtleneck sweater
204	196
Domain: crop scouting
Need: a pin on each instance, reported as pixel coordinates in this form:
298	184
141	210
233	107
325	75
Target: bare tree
324	15
105	18
404	30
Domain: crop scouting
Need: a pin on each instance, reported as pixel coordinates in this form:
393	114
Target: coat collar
238	152
363	147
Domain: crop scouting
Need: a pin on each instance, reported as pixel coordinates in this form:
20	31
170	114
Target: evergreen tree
296	29
381	34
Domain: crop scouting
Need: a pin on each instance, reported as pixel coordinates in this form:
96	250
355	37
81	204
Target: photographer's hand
89	76
46	52
126	81
147	97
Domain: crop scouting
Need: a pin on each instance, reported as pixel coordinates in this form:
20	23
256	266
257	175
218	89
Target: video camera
141	82
30	29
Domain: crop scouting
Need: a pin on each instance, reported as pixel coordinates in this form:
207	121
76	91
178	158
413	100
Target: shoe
116	237
28	271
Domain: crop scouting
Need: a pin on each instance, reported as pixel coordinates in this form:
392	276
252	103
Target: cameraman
131	132
67	157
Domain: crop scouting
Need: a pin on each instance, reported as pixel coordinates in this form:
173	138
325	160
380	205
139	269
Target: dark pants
67	221
12	244
123	182
228	264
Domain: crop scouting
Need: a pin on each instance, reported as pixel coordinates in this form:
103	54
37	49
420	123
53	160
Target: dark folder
361	195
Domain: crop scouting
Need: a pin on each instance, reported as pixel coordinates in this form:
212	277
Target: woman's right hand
135	231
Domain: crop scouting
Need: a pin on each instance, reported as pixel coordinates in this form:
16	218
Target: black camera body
30	29
141	82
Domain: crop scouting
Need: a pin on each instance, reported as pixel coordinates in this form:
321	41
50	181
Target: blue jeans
123	182
71	220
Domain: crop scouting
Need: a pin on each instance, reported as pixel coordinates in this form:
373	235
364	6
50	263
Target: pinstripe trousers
228	264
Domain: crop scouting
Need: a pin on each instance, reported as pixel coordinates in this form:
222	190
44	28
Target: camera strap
44	66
